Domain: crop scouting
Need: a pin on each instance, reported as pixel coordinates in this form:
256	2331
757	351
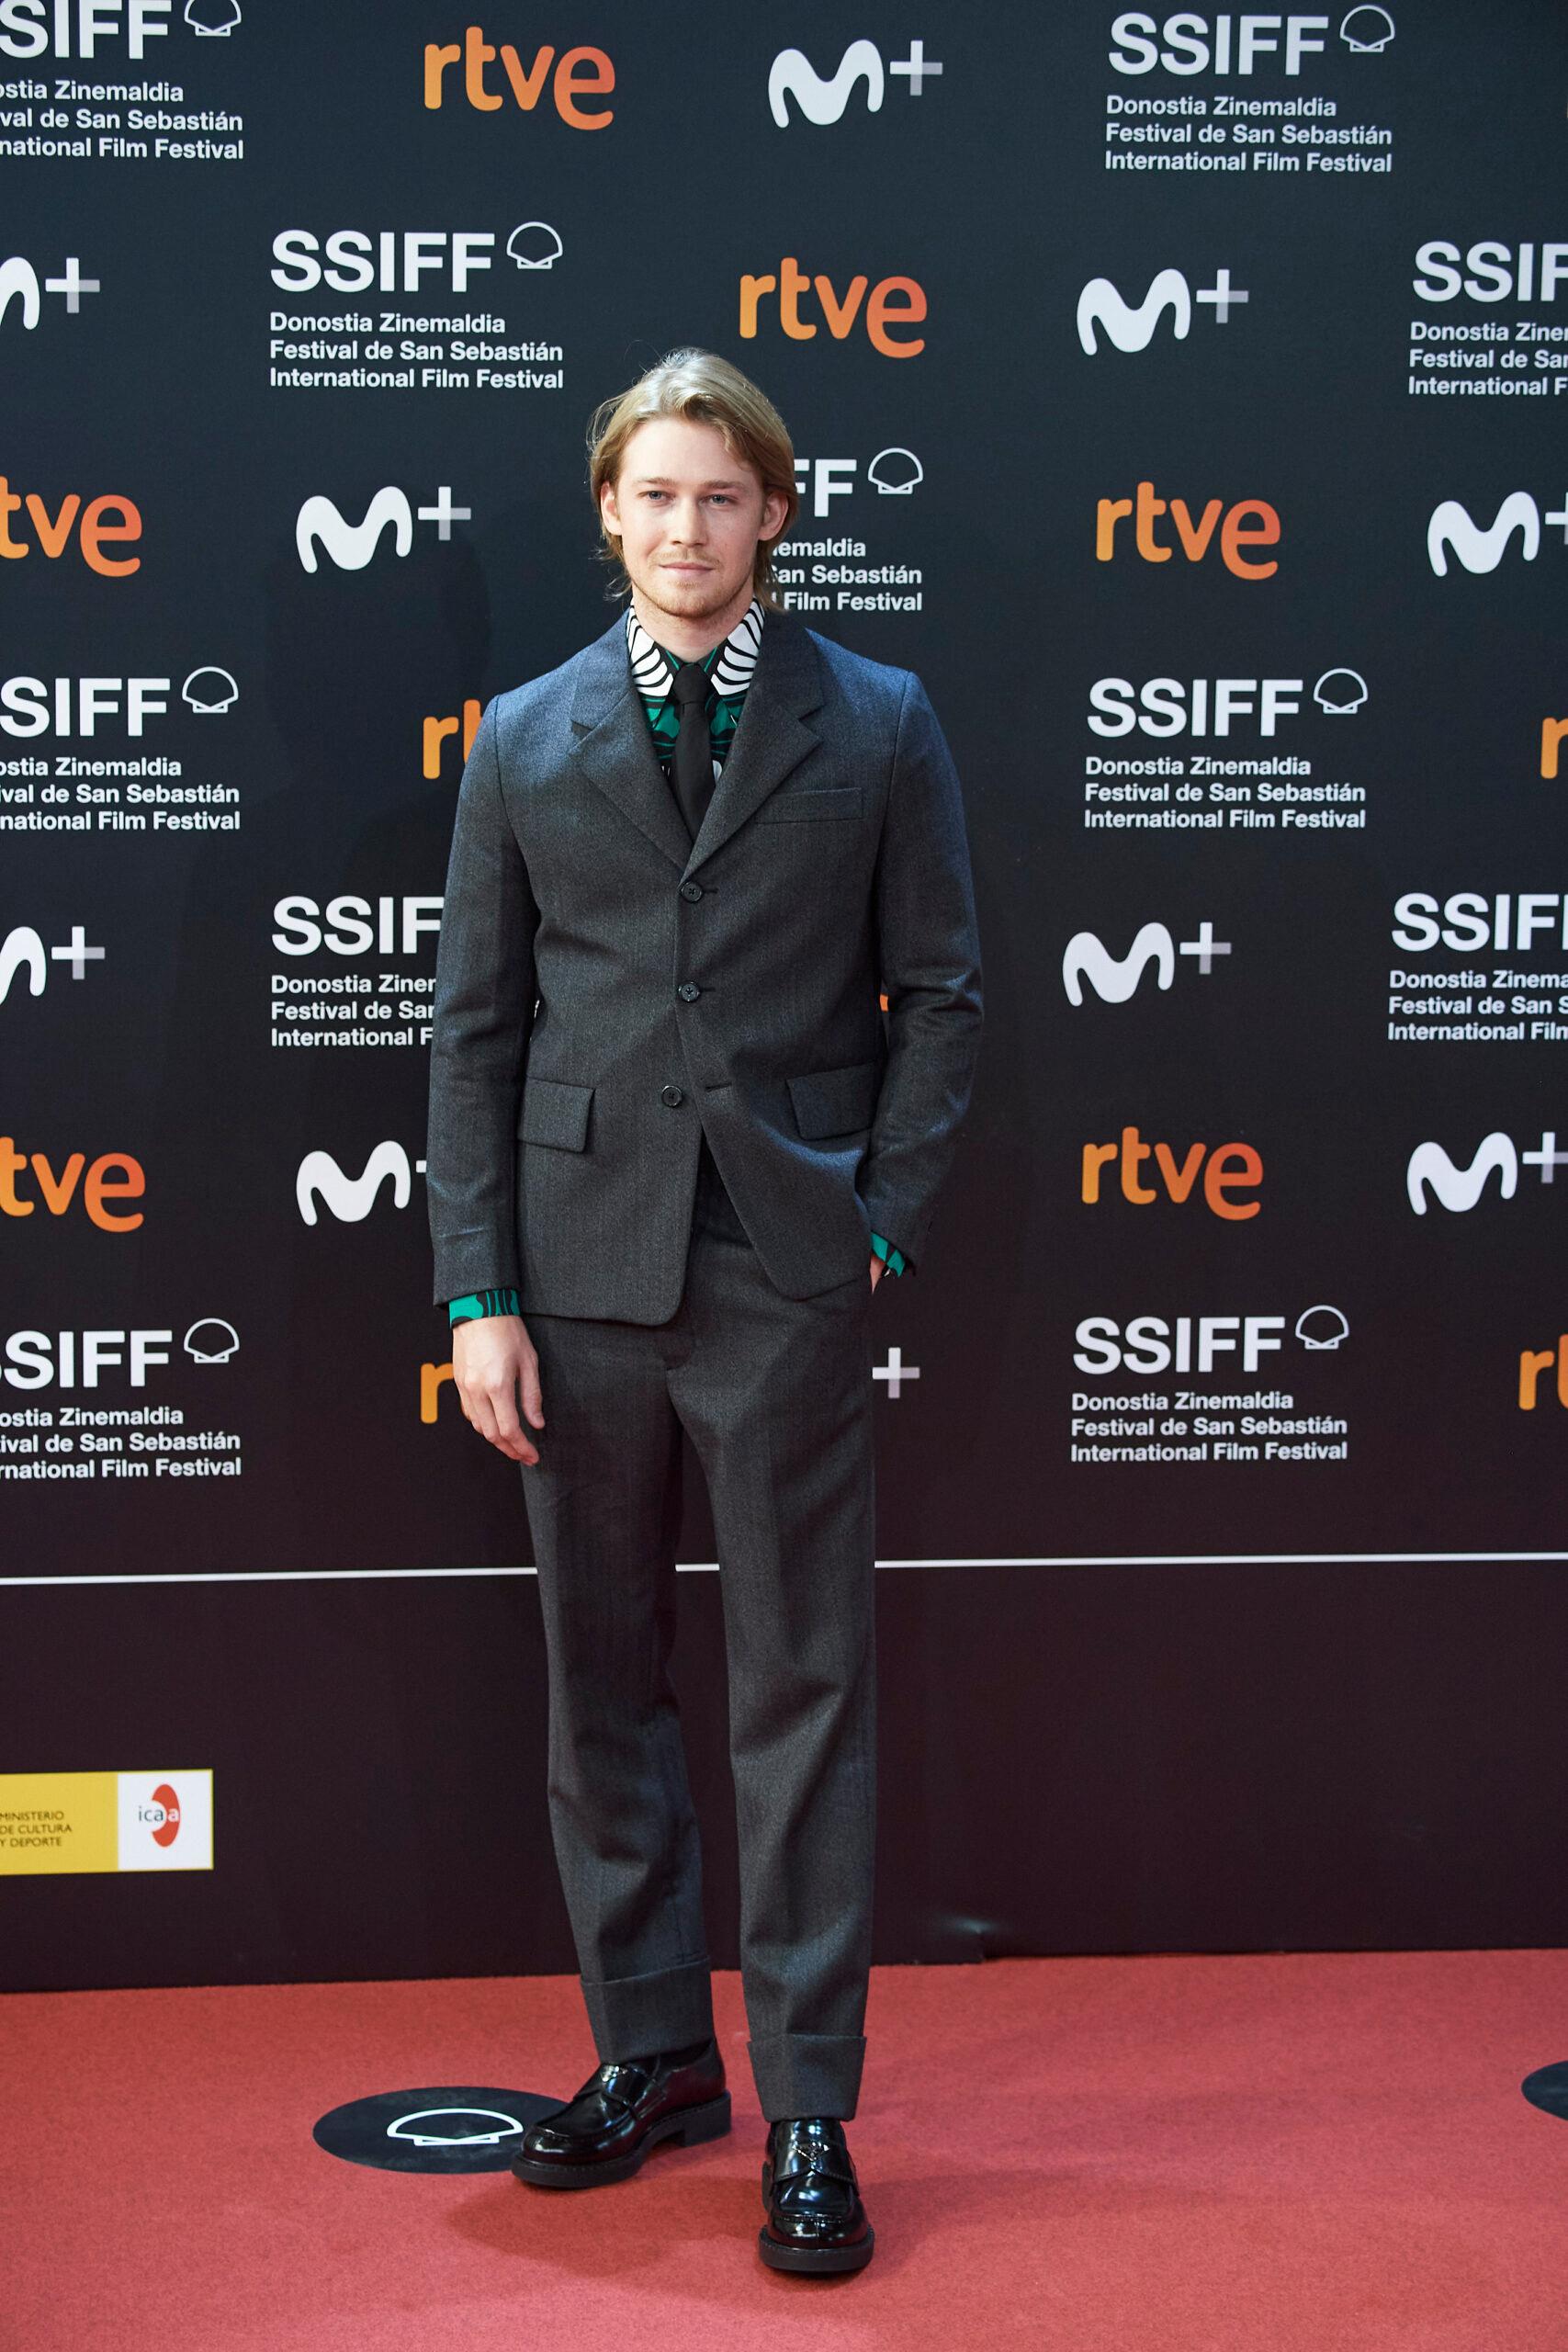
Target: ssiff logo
398	261
1451	529
350	546
1227	44
1115	978
1459	1188
793	75
1131	328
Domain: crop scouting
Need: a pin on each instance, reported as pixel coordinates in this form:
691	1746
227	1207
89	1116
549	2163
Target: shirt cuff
893	1260
480	1302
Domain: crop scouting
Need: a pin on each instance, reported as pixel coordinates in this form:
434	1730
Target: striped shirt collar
730	665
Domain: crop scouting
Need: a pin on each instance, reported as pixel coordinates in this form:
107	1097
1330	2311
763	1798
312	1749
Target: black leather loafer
621	2112
816	2220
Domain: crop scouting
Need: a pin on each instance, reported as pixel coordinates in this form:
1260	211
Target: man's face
689	516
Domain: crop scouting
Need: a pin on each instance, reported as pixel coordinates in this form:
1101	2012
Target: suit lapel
614	747
616	752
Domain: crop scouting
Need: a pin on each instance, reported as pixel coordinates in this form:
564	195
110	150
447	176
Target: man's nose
686	519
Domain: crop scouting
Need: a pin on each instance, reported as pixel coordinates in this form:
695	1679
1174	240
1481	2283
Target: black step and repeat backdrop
1183	397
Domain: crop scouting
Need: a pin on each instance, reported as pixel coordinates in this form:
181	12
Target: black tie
693	750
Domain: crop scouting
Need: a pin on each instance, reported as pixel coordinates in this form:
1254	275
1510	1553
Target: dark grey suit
608	995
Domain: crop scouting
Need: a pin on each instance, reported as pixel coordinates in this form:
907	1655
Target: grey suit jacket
606	987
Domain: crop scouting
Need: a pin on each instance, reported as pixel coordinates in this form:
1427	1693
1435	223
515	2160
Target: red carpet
1271	2154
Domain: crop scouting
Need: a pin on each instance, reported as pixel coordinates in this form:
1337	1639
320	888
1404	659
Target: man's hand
491	1357
877	1271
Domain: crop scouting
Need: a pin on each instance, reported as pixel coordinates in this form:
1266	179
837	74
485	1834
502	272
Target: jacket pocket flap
836	1101
556	1112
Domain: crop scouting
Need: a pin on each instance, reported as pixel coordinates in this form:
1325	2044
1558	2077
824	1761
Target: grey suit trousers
775	1395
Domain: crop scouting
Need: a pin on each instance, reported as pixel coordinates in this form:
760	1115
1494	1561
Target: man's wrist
892	1260
477	1304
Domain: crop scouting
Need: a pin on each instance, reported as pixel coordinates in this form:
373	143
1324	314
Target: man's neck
692	638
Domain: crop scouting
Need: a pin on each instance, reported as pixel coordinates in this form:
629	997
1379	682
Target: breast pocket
799	807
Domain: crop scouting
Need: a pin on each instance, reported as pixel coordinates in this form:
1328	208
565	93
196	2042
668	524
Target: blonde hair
708	389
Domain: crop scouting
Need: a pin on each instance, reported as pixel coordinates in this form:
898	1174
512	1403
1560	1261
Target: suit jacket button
691	889
670	1096
690	990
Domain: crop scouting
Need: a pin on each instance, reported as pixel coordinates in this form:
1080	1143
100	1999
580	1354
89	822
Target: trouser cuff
807	2074
637	2016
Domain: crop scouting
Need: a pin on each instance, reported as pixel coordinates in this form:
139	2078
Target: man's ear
607	505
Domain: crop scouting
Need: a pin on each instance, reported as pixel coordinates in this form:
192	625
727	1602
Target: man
671	1150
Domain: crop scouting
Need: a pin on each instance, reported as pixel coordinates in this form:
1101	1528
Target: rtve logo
1163	706
398	261
1533	1362
1236	532
893	302
1430	1170
22	950
352	926
68	706
1451	530
579	73
1489	271
436	731
1130	328
1229	1168
350	546
1115	978
20	283
71	525
1239	45
79	1359
322	1183
113	1176
793	75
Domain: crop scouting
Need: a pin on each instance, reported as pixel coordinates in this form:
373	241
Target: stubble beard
687	600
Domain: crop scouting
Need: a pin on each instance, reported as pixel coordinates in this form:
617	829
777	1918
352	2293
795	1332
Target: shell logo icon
168	1829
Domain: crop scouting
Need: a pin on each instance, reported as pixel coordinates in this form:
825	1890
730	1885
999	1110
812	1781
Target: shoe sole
817	2257
690	2125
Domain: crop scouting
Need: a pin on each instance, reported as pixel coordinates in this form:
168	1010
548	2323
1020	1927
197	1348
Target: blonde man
673	1147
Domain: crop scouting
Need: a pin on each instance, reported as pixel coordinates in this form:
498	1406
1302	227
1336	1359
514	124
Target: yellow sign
54	1823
